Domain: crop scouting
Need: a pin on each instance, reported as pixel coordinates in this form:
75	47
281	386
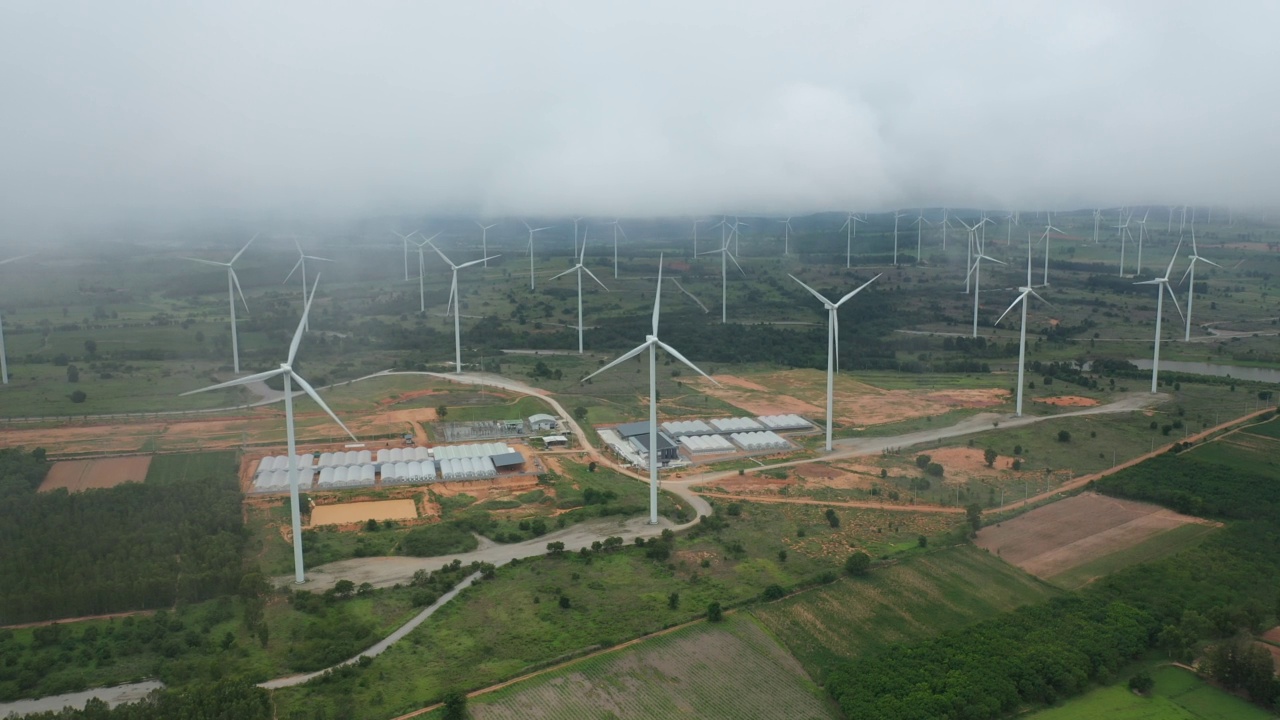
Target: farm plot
1052	540
916	598
731	670
79	475
1178	695
358	512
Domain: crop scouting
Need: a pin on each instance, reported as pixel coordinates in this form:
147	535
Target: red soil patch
1068	401
1272	635
77	475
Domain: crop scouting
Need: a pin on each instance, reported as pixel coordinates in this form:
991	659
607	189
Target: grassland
1178	695
916	598
177	467
1155	548
716	671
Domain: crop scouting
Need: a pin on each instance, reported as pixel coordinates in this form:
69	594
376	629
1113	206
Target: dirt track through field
79	475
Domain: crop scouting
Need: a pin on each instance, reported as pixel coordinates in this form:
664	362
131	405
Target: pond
1200	368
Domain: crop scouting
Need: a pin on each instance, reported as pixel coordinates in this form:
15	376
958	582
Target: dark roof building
508	460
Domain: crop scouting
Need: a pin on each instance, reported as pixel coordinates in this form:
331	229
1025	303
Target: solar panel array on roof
686	427
706	444
739	424
758	441
784	422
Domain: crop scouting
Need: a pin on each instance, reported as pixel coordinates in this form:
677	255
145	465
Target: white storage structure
699	444
677	428
784	422
272	463
760	441
736	425
473	450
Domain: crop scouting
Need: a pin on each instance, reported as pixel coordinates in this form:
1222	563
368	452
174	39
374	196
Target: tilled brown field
77	475
1058	537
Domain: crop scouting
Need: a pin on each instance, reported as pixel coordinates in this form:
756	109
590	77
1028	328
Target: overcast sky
127	110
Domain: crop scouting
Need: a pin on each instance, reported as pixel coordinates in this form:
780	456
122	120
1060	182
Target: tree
344	588
734	510
973	512
565	603
73	373
442	411
922	541
773	592
91	347
934	469
833	518
580	413
782	555
455	706
715	613
990	455
1017	464
555	549
673	600
1064	436
858	564
922	461
371	525
1141	683
78	396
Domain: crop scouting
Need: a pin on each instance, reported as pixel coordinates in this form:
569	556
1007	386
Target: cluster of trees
1194	486
226	700
130	547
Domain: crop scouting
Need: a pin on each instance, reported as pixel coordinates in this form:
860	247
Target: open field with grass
1178	695
916	598
728	670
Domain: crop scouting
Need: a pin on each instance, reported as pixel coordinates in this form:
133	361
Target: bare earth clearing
77	475
1068	401
1053	539
803	392
358	512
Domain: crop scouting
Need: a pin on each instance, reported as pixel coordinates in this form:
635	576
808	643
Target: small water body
112	696
1200	368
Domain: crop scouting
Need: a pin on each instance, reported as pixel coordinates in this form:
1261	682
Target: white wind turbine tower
456	302
617	228
484	240
575	234
1191	289
302	264
725	256
1162	285
1008	230
945	212
1122	227
786	241
533	230
1142	230
405	239
4	361
580	268
736	236
652	343
833	340
851	227
286	371
1024	291
1047	229
422	266
896	215
920	223
1097	218
233	287
976	271
695	246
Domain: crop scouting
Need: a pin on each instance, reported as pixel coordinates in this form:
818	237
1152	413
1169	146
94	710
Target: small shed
543	422
556	441
508	461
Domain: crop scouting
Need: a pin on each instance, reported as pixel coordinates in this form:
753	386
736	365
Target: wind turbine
575	235
290	376
233	287
725	255
405	239
851	227
737	236
1097	218
695	246
1142	230
1162	285
1024	291
533	230
920	223
833	340
4	361
786	242
1191	289
1047	229
580	268
652	343
1122	227
617	228
945	212
456	302
976	272
896	215
302	264
422	266
484	240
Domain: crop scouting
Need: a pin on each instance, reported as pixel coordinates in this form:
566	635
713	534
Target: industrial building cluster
395	466
684	441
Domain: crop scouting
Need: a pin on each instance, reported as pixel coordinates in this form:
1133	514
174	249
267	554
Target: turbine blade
1174	298
15	259
593	277
1188	272
857	290
675	354
988	257
1172	260
825	302
291	272
246	247
236	280
1012	305
735	263
1046	302
200	260
477	262
657	297
621	359
238	381
566	272
306	386
302	323
1210	262
313	257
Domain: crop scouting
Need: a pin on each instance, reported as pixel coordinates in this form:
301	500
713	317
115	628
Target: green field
729	670
172	468
1178	695
1155	548
916	598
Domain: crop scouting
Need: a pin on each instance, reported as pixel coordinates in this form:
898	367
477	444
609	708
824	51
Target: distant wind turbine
1024	291
920	223
652	343
1122	227
233	287
851	227
1162	285
533	230
976	272
302	264
1191	289
405	239
1097	218
695	245
580	268
786	241
617	228
725	256
484	240
833	340
455	301
896	215
575	234
1048	228
4	361
290	376
422	274
1142	231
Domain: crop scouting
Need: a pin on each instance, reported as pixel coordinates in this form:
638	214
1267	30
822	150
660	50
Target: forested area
1219	592
227	700
134	546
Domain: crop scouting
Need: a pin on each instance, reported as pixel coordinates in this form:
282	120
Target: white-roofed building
542	422
699	444
760	441
785	422
676	428
736	425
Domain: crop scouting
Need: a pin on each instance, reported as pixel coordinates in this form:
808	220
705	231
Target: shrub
734	510
858	564
934	469
773	592
715	613
1064	436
